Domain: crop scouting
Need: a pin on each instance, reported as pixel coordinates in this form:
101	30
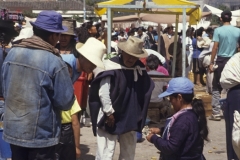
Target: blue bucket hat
50	21
180	85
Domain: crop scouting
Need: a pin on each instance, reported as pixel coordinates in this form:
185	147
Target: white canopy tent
217	12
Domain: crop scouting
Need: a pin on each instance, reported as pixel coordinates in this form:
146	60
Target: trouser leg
127	143
106	145
216	94
22	153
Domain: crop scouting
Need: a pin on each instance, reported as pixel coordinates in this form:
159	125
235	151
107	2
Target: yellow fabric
101	11
194	14
66	115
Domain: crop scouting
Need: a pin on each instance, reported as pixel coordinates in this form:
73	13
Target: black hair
152	62
114	38
198	32
188	32
149	28
198	108
210	30
82	34
226	16
131	32
42	33
154	32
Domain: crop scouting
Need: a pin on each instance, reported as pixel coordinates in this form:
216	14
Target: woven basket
207	99
191	76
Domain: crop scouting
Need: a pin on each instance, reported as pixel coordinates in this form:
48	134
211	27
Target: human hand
90	76
210	68
149	137
110	120
78	152
155	130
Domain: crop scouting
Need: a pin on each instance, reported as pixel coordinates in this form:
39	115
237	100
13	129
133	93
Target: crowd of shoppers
40	111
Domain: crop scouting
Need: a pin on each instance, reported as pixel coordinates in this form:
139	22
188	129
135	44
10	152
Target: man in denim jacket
36	87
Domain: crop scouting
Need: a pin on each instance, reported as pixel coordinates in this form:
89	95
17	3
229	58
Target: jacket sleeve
63	93
175	141
104	94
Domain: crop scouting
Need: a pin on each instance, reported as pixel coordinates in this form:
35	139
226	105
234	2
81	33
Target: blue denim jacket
36	87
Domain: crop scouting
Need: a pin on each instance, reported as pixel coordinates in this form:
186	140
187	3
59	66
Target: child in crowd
68	146
184	134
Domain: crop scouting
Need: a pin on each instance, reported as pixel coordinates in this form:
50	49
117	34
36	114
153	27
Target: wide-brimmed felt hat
24	33
7	27
49	21
134	47
70	28
93	50
179	85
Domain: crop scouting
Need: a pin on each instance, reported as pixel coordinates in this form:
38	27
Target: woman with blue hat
184	134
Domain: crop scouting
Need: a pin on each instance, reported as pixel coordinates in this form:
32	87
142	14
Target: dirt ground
213	150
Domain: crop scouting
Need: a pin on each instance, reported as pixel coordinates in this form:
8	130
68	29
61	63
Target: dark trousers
233	103
23	153
221	61
66	149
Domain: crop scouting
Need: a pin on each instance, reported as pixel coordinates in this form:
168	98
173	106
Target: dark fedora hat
49	21
7	27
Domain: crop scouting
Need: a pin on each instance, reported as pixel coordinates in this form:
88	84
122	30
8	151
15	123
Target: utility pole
84	10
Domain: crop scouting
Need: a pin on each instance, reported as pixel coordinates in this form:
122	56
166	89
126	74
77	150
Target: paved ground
213	150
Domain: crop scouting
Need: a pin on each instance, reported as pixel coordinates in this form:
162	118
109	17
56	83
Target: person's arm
76	133
214	50
104	95
63	93
213	55
178	134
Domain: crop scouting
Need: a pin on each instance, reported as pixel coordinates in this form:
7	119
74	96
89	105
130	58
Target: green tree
77	18
29	14
215	19
93	2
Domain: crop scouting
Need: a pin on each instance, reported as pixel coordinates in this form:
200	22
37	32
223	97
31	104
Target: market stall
166	7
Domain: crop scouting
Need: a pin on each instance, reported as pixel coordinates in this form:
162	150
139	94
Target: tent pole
159	37
109	30
175	45
184	43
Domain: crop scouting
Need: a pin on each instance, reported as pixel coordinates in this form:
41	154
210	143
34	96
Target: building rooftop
44	5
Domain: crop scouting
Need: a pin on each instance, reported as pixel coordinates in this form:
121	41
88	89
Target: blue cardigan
185	142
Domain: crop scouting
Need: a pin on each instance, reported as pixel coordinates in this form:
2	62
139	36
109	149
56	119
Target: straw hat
238	22
24	33
70	28
133	46
93	50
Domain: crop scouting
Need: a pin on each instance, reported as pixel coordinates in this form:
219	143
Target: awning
193	13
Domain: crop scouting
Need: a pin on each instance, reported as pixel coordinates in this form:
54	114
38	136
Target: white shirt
104	94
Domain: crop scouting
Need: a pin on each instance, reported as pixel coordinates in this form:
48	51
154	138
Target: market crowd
41	62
